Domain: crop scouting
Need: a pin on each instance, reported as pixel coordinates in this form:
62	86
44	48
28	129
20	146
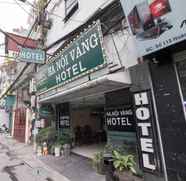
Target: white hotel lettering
143	115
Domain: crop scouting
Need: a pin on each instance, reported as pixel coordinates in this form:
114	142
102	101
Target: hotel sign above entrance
82	56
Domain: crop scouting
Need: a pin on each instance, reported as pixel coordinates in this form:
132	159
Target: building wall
59	28
171	116
28	125
119	45
141	79
120	49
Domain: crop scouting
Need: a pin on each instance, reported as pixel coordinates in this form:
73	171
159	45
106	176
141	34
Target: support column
170	116
149	139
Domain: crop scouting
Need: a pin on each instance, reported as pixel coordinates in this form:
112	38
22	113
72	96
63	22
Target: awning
98	86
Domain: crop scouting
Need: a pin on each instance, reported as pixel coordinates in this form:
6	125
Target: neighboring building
20	110
4	119
158	85
8	71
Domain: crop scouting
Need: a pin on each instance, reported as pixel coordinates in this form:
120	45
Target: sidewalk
25	153
73	168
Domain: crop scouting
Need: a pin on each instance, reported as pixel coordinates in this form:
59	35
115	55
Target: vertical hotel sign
82	56
155	24
148	147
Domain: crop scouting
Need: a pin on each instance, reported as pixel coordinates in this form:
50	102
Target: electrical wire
54	14
50	13
5	2
6	34
30	4
24	68
23	8
27	64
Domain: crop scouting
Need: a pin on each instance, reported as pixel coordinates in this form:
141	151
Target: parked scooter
4	129
1	130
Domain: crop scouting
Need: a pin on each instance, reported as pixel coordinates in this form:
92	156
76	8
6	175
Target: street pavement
18	163
73	167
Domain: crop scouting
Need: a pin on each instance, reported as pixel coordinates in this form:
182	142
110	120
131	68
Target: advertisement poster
155	24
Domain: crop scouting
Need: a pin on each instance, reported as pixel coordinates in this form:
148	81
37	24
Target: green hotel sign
82	56
32	55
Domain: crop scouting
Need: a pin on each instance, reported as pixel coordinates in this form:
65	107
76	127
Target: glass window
70	7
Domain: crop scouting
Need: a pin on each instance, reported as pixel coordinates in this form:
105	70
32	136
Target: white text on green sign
32	55
82	56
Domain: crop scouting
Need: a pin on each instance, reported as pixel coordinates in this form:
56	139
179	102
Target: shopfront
158	84
89	113
99	120
92	103
162	80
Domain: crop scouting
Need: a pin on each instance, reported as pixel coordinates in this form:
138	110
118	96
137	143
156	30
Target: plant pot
100	168
62	153
57	151
67	149
39	151
127	176
124	176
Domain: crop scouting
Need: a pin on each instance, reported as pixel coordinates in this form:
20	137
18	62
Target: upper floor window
70	7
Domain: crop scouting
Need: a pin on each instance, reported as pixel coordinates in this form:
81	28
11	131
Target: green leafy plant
123	162
47	135
66	137
98	158
108	148
56	144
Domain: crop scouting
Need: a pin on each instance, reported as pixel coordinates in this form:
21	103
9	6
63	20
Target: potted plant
98	163
124	167
39	150
67	142
57	149
47	135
